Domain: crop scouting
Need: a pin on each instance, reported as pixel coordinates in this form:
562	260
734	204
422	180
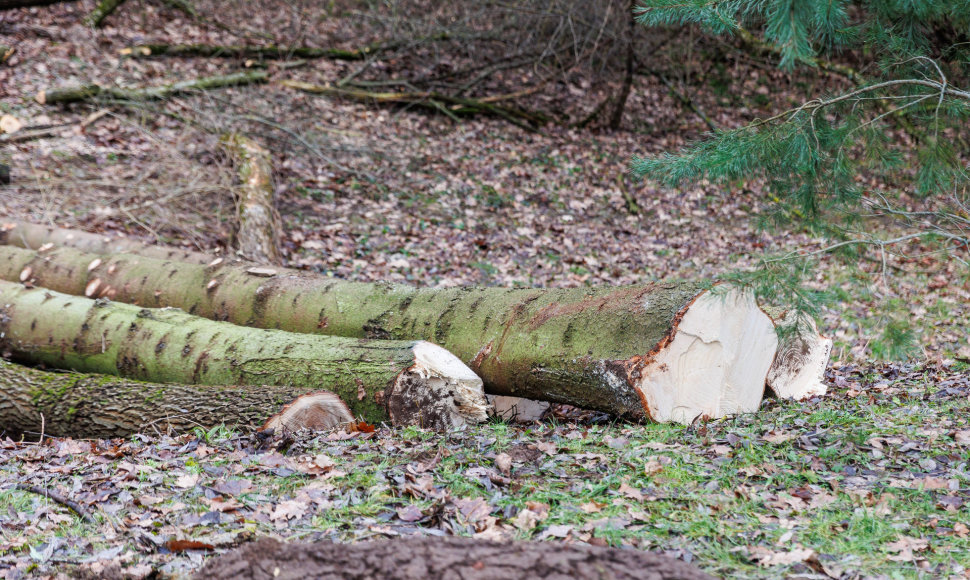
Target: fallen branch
94	91
104	9
670	352
97	406
57	498
402	382
447	104
248	51
258	237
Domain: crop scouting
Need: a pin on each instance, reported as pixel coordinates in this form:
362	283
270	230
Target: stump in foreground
424	558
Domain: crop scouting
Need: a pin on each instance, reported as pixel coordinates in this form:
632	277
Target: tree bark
404	382
35	237
597	348
260	225
98	406
88	92
414	557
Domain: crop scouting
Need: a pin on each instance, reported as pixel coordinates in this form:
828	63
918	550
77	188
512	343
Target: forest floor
868	481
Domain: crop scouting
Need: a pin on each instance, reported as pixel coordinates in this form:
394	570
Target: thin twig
57	498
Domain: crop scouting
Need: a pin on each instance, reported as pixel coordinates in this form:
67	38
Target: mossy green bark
74	94
581	346
169	346
34	236
99	406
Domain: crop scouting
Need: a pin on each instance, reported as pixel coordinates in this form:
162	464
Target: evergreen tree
916	56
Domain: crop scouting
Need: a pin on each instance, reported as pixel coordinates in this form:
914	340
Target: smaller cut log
43	238
423	558
98	406
88	92
798	371
400	382
258	236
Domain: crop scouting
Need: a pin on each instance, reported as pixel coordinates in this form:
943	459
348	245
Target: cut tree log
442	103
423	558
38	237
98	406
88	92
404	382
668	352
260	227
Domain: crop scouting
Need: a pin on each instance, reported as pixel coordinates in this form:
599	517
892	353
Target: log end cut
713	363
317	411
798	371
438	392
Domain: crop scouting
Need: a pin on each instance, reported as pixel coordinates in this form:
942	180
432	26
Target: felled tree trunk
413	557
258	236
668	352
98	406
406	383
38	237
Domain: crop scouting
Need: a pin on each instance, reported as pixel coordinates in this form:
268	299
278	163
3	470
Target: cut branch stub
378	380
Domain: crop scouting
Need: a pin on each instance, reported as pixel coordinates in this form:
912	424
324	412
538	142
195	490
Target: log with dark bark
98	406
403	382
38	237
258	236
9	4
81	93
668	352
423	558
442	103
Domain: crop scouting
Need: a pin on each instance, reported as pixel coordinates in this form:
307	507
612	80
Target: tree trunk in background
258	237
406	383
596	348
98	406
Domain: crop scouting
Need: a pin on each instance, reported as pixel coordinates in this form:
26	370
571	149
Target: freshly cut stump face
715	362
798	371
315	411
438	392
